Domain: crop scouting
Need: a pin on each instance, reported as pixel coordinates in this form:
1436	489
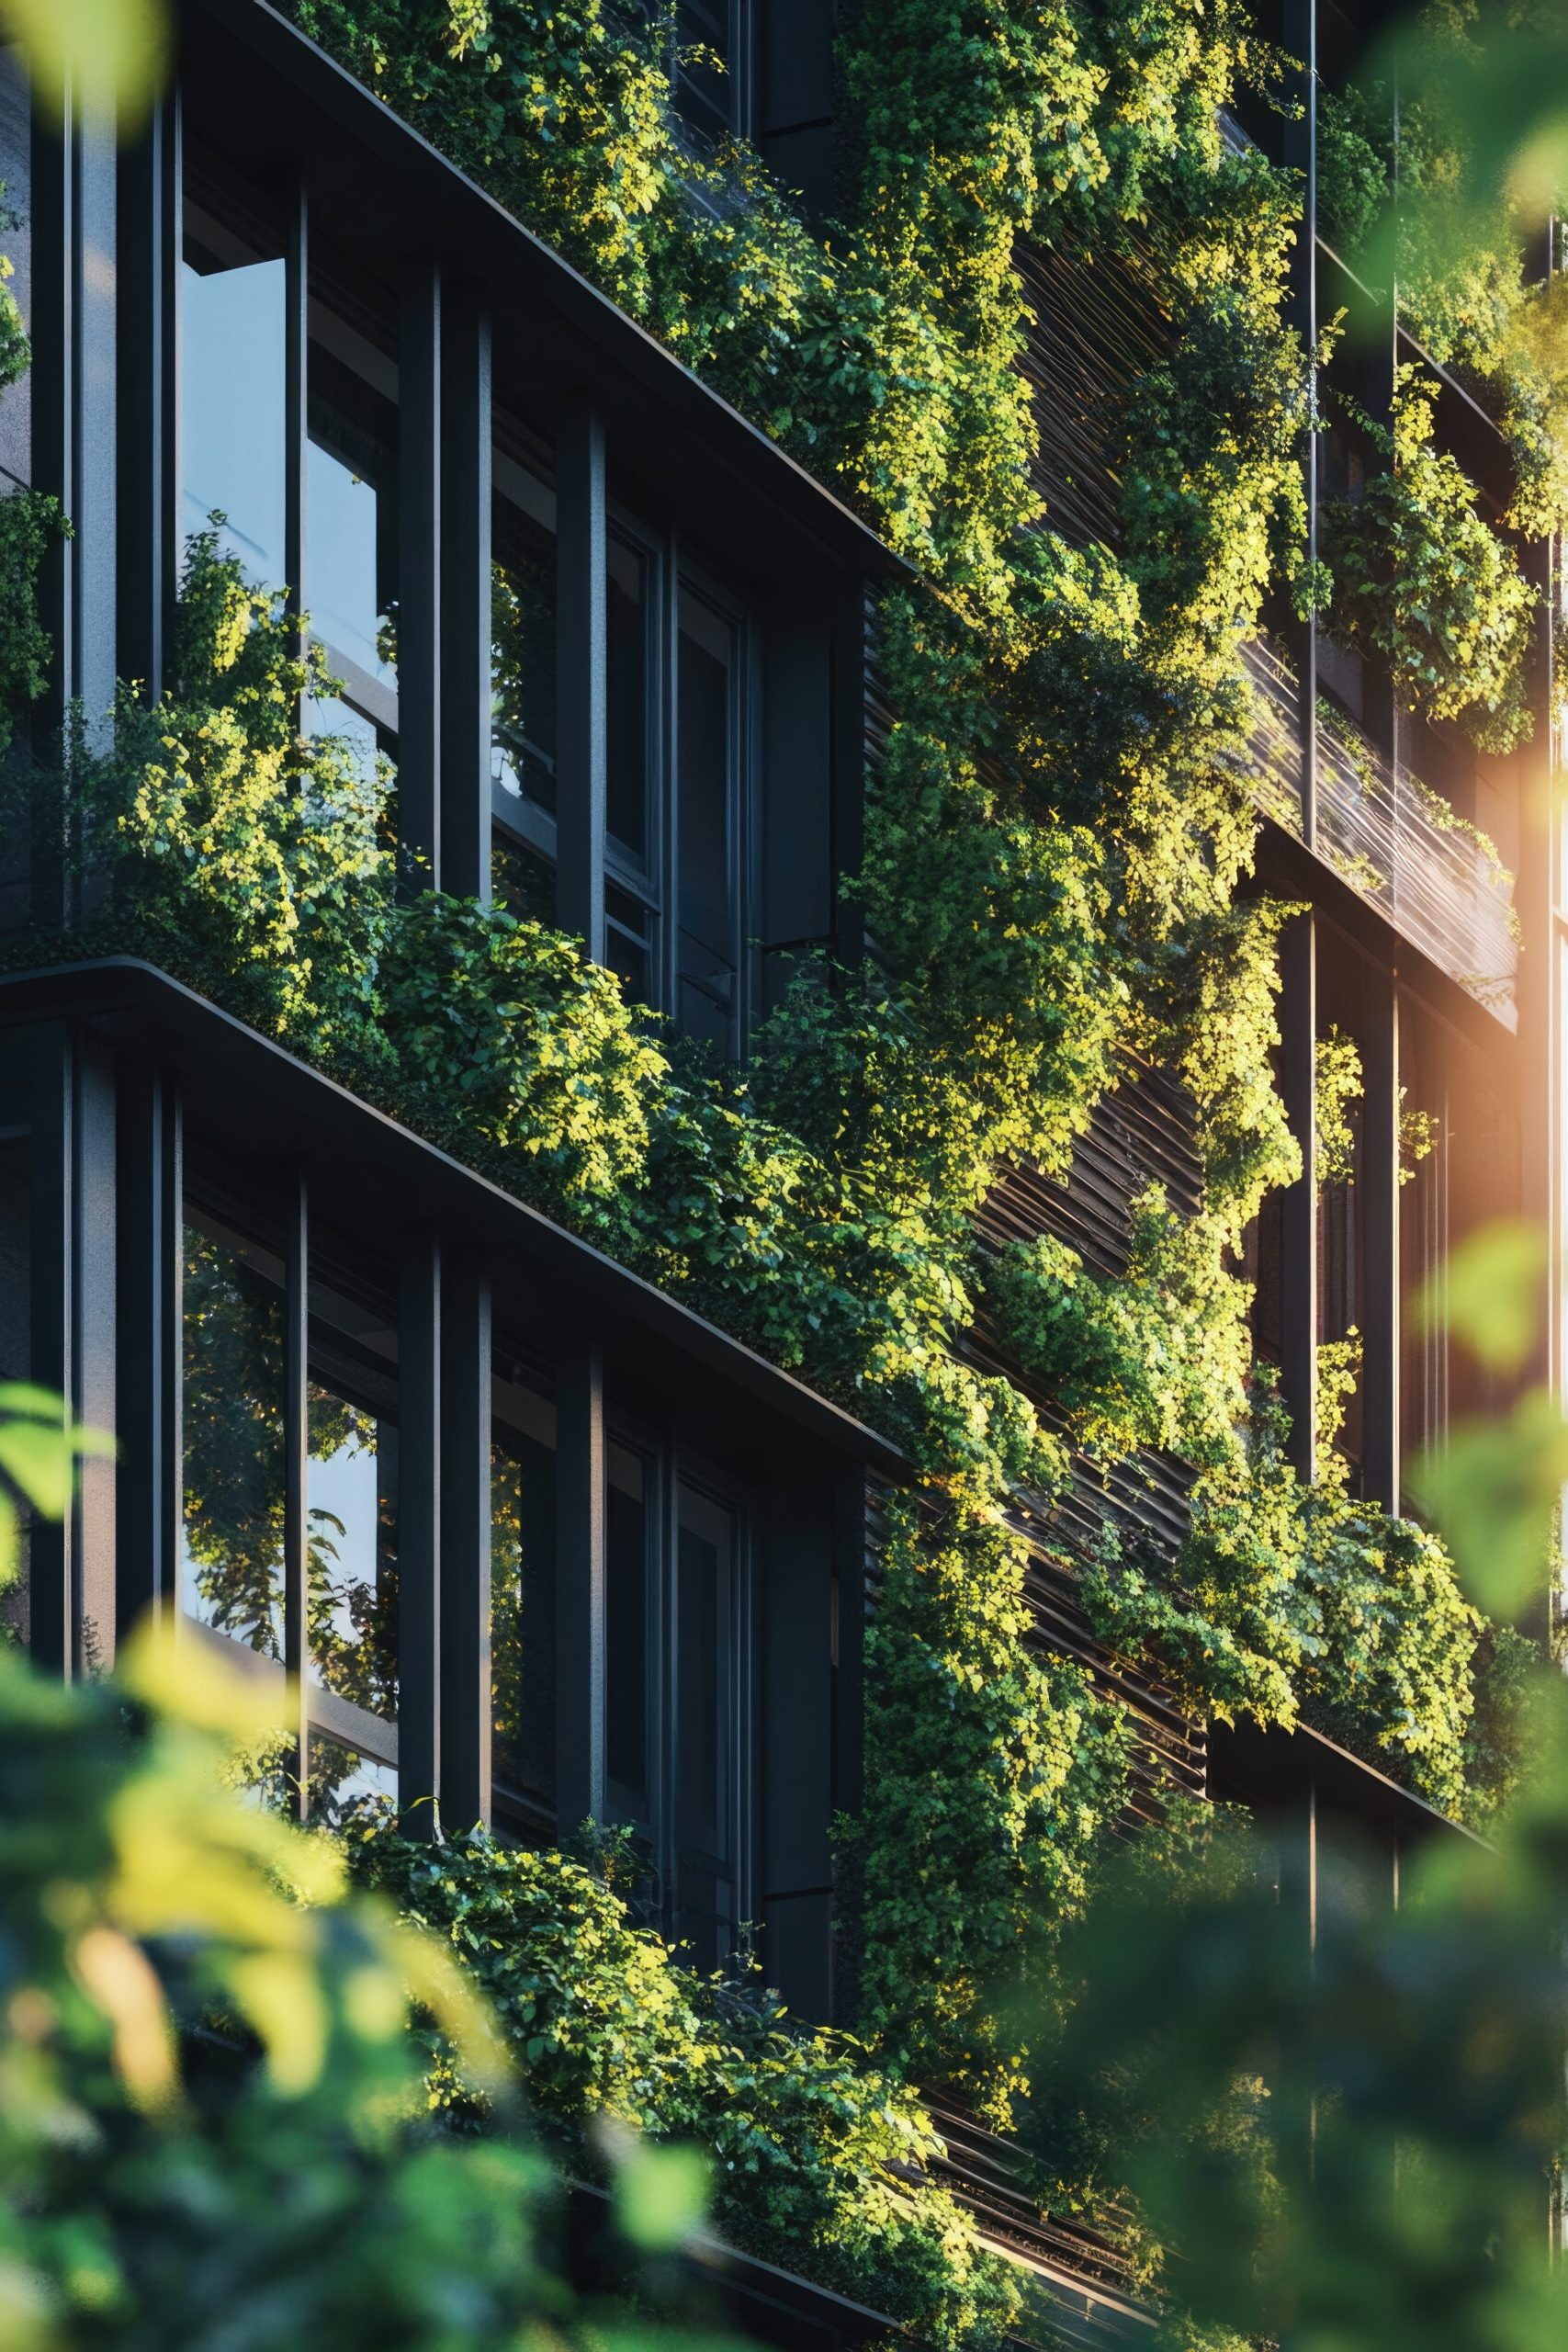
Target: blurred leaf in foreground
111	54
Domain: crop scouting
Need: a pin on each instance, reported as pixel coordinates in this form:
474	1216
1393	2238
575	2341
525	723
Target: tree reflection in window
352	1542
522	1618
234	1392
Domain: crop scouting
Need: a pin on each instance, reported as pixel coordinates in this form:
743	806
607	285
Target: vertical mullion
418	1534
53	1597
848	1534
296	1414
579	1575
665	1696
1300	38
1380	1345
670	777
419	568
147	327
581	679
295	392
148	1407
464	827
1298	1207
464	1543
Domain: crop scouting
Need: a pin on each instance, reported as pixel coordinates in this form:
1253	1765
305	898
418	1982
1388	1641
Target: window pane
523	1606
705	785
630	715
627	1531
628	942
351	543
352	1500
522	880
704	1570
233	307
343	1783
16	242
707	87
233	1422
523	641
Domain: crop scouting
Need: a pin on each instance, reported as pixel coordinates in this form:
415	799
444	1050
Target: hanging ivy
1424	586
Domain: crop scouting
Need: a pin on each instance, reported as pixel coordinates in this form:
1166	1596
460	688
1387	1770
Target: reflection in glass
231	1570
234	308
15	175
344	1786
627	1528
523	643
707	87
351	515
705	759
629	713
351	1502
523	1612
704	1564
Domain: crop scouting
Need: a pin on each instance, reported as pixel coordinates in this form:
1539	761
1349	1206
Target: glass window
352	1498
628	1632
522	1593
15	244
343	1783
709	89
705	1587
232	1409
630	767
350	514
523	643
706	758
234	440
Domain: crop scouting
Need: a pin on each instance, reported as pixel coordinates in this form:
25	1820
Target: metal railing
1387	837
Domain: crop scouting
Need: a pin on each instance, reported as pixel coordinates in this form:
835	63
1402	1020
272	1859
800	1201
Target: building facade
529	1538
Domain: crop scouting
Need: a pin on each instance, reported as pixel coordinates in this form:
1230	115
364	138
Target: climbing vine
1057	835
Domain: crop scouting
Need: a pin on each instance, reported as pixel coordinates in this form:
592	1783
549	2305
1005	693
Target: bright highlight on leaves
112	55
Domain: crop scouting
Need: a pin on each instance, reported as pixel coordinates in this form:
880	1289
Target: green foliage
963	1715
1339	1083
1421	583
816	2158
1056	837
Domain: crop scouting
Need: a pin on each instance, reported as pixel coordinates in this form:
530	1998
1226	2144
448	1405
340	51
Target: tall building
526	1529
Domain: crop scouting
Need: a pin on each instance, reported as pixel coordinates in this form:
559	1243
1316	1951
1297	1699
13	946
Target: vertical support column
580	1587
53	1598
72	1601
418	1534
1381	1301
296	393
581	676
149	395
464	593
1300	39
74	396
464	1543
92	1400
419	569
1298	1205
297	1449
148	1412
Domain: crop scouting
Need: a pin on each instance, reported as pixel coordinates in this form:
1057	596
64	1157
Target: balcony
1384	833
